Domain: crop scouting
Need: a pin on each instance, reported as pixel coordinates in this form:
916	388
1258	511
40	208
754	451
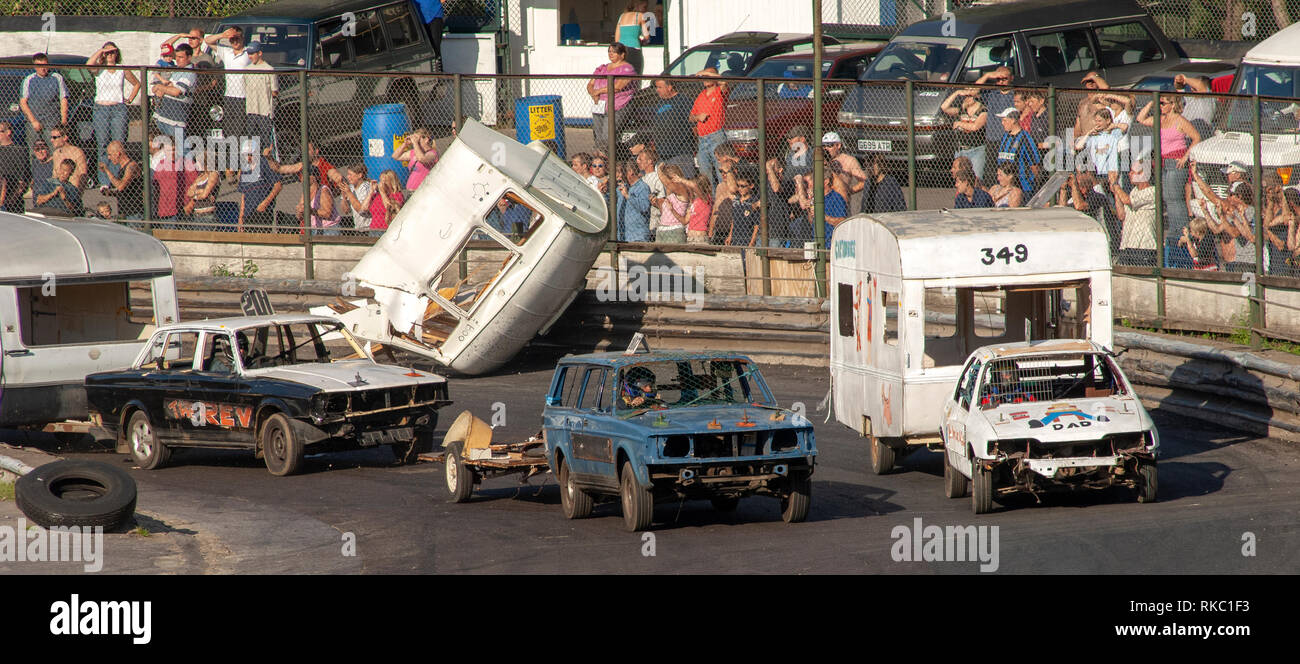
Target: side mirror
970	76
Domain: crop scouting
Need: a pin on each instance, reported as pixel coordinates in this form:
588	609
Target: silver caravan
65	310
914	293
532	228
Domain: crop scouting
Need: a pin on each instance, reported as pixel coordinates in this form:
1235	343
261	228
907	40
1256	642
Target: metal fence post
1257	320
911	143
819	162
1157	176
611	159
308	250
763	253
146	163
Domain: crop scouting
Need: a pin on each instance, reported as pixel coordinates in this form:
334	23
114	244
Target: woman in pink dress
385	206
420	153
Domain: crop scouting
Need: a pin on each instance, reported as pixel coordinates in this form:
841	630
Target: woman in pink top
421	154
385	206
697	221
675	208
623	91
1177	136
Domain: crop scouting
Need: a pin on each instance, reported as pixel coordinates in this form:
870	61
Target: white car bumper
1048	467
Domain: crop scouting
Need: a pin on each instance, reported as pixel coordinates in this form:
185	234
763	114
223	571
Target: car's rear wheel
1147	484
638	502
575	502
281	448
145	448
981	489
955	484
795	505
460	477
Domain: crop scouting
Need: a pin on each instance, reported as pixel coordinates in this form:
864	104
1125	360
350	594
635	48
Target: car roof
1040	347
1279	49
622	359
1024	15
245	322
755	38
38	247
291	11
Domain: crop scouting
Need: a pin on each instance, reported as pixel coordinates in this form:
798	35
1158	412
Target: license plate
865	145
215	133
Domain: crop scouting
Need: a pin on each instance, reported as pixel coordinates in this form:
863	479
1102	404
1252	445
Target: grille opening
715	445
677	446
785	439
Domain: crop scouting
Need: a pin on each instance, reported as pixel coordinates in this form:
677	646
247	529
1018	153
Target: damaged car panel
264	383
532	229
674	425
1042	416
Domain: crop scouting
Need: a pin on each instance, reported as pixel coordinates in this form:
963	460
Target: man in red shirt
708	114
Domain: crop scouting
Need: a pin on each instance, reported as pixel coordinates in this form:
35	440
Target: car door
1061	56
593	440
955	415
988	54
560	415
1128	51
165	391
218	383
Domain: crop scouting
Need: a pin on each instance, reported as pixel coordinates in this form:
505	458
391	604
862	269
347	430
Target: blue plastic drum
383	128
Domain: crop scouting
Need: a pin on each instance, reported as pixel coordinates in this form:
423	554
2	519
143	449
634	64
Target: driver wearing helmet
1007	388
639	388
223	362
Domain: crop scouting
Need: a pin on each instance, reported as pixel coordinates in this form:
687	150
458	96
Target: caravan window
889	303
58	313
846	318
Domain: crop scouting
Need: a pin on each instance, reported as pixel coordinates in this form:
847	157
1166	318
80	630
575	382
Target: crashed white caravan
65	310
476	322
914	293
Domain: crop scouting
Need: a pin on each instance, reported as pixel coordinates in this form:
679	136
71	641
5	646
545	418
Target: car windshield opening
285	345
283	45
1276	116
916	61
689	382
1043	378
796	80
728	61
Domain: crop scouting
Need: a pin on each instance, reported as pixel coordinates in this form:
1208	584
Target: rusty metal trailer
470	456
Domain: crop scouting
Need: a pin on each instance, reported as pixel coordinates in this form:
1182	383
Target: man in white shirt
260	91
234	120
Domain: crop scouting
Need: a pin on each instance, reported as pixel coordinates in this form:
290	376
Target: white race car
1041	415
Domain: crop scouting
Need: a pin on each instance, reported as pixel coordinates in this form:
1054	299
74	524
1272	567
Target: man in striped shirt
1017	147
175	99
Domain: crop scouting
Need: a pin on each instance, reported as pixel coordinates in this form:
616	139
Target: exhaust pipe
780	469
687	475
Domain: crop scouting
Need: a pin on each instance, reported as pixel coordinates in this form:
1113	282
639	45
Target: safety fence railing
715	166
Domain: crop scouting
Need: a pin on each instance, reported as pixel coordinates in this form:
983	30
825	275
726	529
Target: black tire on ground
460	477
725	503
794	507
76	493
575	502
955	484
281	449
981	489
638	502
1147	482
882	456
143	442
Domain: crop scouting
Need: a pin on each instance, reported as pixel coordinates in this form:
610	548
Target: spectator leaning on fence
709	115
356	195
420	154
1273	213
1017	148
1229	220
65	149
111	99
1136	210
125	181
258	187
43	99
15	170
387	202
995	101
648	162
176	98
1102	144
260	91
854	176
42	164
745	216
1006	191
700	211
57	195
605	110
674	136
201	193
1087	196
1292	217
836	205
1086	113
674	208
633	205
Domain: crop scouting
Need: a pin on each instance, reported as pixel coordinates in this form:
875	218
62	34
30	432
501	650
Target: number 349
1020	253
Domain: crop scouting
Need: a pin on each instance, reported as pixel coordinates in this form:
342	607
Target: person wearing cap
709	114
43	99
1236	172
260	91
42	161
1017	148
15	170
167	60
791	89
854	176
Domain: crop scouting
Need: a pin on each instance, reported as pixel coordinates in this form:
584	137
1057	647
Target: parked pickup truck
648	426
268	384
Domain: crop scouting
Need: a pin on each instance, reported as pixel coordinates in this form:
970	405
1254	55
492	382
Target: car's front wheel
795	505
1147	484
281	448
882	456
638	502
981	489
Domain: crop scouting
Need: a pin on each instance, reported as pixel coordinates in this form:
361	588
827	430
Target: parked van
65	310
1270	69
914	293
1042	42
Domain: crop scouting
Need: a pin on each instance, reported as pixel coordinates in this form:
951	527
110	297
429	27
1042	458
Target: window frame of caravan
124	278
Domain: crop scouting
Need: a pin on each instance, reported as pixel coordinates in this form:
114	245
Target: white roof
1279	49
36	247
933	224
243	322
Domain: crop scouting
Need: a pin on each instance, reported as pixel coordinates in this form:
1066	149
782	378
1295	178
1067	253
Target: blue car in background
673	425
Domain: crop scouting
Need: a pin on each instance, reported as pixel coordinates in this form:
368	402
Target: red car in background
788	95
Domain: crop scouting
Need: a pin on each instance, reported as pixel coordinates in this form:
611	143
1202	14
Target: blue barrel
383	128
541	118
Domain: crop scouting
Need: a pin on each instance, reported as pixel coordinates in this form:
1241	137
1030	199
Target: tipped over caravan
488	193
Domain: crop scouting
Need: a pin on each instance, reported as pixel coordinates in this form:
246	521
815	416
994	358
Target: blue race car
666	425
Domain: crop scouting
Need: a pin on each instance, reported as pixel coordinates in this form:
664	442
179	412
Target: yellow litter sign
541	122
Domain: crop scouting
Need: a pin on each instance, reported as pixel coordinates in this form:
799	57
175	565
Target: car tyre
1147	482
981	489
638	502
76	493
146	450
795	505
459	476
575	502
882	457
281	448
955	485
